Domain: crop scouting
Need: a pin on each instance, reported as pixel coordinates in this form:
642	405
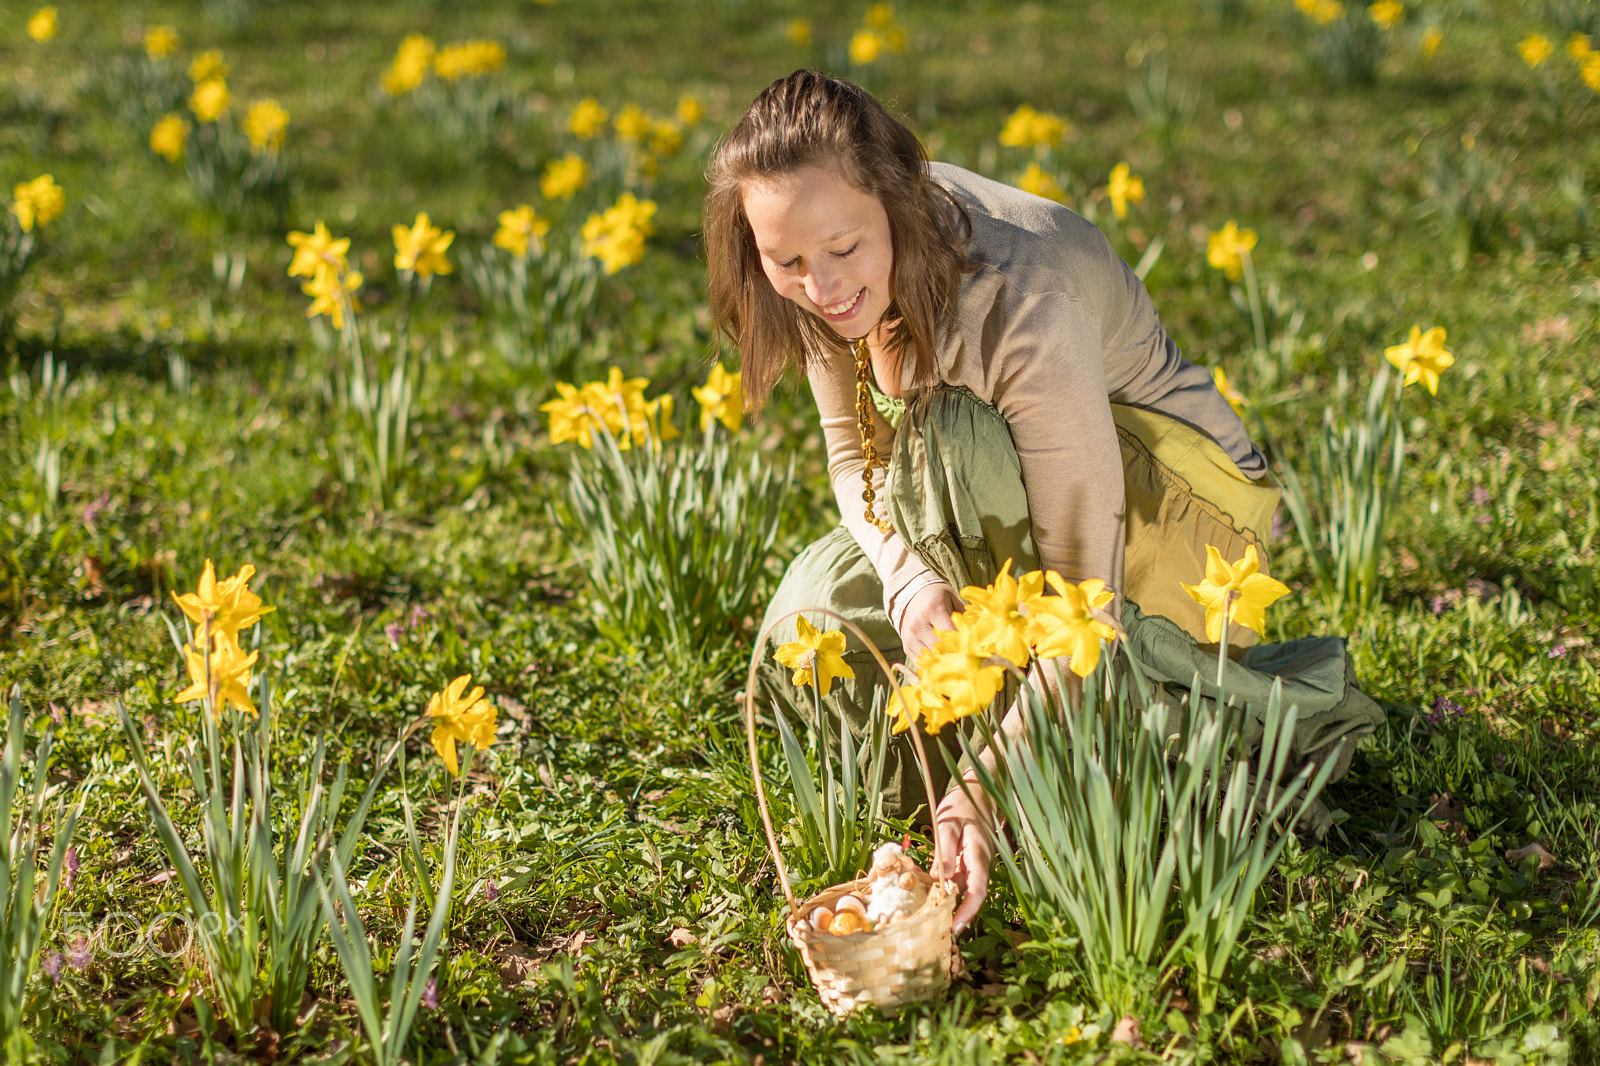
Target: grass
636	916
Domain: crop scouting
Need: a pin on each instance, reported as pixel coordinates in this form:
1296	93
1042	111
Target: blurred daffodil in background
1421	357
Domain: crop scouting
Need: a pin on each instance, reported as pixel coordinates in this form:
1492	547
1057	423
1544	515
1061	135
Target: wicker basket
906	960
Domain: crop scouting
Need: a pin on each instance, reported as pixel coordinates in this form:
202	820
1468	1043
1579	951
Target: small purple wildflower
96	508
52	966
491	891
80	953
1444	708
1480	495
430	994
419	614
69	868
1558	651
394	631
1483	519
1437	605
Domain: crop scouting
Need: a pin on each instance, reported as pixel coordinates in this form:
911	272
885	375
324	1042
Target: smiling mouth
843	310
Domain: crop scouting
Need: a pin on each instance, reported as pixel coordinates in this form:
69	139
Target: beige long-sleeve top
1050	330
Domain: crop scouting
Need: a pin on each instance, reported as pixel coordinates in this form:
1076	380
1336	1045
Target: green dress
955	494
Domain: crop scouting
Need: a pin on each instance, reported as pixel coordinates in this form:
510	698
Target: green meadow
413	516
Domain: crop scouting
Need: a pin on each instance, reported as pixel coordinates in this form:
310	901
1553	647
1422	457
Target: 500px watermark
122	935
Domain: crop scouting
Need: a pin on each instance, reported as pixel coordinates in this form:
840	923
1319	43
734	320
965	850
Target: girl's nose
819	289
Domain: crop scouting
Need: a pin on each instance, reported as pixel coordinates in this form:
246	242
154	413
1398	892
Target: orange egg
847	922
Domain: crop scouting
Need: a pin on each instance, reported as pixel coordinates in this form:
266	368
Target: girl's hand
967	847
928	612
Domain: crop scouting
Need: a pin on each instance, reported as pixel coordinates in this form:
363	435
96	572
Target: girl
1012	366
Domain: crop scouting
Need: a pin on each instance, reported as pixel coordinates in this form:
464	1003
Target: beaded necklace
864	419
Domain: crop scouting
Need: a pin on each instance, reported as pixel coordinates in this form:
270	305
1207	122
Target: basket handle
755	762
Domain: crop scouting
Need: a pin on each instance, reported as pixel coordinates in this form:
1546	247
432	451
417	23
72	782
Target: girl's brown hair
809	119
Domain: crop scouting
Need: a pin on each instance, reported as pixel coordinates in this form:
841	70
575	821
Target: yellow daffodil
1535	49
1124	188
632	124
228	681
1036	181
42	24
38	202
721	399
206	66
1590	71
1386	13
222	607
816	652
865	47
1227	247
265	124
998	620
412	61
666	139
579	413
798	32
1235	592
330	291
317	250
1432	38
1066	624
1322	12
588	118
1027	128
909	705
690	111
167	137
627	394
209	101
957	676
563	177
1235	398
617	236
1578	46
468	59
463	717
657	421
420	249
160	42
1422	357
519	229
879	16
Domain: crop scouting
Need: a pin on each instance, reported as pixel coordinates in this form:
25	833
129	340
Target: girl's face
825	245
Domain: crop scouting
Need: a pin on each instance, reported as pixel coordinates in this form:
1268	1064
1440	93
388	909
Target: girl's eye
789	264
847	253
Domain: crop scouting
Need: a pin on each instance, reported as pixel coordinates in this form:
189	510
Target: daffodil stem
1253	292
1222	650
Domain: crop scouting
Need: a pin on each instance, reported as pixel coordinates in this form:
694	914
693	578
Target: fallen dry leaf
1127	1032
517	964
1443	809
680	937
1516	856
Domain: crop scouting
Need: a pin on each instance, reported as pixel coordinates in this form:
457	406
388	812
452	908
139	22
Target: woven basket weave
905	961
908	959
